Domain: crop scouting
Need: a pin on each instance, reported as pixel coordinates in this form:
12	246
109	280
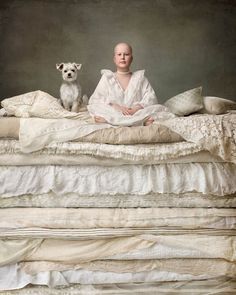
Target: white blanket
212	178
12	277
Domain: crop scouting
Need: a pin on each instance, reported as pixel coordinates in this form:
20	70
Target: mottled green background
181	43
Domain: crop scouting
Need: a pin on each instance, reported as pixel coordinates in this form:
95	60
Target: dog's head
69	70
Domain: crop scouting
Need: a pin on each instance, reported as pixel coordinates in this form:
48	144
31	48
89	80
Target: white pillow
186	103
217	105
32	104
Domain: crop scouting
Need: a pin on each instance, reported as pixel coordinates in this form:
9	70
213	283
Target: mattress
98	218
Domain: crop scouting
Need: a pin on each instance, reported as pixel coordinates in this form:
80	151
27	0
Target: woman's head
123	56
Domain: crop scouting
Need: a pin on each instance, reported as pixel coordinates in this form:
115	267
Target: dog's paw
85	99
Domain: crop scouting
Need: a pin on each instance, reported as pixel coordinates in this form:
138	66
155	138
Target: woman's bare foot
148	121
98	119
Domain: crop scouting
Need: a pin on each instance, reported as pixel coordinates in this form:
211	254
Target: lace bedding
117	214
70	153
157	200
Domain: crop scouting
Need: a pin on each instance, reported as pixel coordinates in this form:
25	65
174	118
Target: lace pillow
216	105
186	103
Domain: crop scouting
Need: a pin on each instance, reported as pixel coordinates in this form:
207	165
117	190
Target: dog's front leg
66	105
75	106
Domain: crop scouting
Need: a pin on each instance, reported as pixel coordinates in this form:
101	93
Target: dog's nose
69	75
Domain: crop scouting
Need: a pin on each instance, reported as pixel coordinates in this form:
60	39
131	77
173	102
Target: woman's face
123	57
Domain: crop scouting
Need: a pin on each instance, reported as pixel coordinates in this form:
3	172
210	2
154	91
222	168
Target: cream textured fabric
37	104
16	158
186	103
213	178
10	126
84	218
214	133
65	251
12	277
185	246
53	200
110	154
107	233
145	247
202	287
12	251
216	105
209	132
133	135
196	267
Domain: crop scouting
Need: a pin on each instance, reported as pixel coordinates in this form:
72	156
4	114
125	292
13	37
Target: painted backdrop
181	43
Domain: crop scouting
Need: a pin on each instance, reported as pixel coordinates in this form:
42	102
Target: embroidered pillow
186	103
216	105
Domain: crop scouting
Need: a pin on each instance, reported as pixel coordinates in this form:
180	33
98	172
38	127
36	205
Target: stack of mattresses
94	218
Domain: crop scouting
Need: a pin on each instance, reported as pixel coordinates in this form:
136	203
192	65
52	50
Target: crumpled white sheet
196	267
207	178
196	287
36	133
72	251
12	277
165	247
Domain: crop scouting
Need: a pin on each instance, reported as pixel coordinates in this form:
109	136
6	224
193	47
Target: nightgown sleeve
148	94
100	94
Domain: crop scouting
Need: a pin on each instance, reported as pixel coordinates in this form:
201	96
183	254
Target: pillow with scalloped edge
217	105
186	103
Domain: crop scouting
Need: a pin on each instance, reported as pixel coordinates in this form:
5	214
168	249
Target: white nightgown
138	91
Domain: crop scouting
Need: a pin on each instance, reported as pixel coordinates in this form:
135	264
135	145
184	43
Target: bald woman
123	98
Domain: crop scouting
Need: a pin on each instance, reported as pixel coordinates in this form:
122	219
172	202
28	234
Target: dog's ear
78	66
60	66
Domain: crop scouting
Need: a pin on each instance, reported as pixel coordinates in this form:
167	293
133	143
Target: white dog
70	91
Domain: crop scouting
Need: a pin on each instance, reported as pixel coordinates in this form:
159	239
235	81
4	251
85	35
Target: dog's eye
73	70
65	71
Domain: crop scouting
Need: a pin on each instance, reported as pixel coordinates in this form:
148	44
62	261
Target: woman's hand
134	109
124	110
